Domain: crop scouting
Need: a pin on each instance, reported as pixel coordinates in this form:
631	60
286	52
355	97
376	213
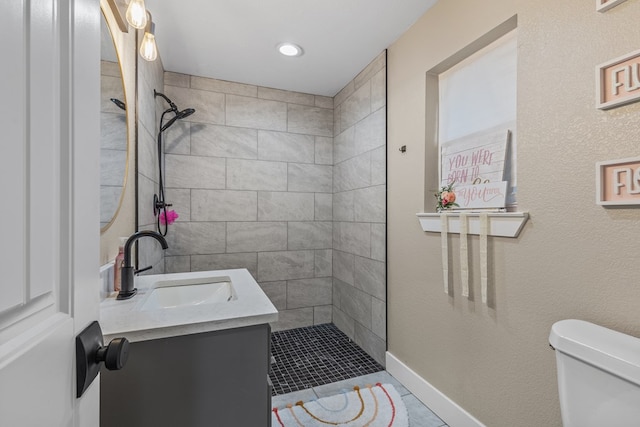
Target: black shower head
178	114
119	103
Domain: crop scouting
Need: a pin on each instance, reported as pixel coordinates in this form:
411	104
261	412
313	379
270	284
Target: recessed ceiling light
290	49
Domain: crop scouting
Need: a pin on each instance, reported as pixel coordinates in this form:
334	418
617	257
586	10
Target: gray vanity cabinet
213	379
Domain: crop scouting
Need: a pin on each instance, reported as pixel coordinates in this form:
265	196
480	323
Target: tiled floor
318	361
419	414
307	357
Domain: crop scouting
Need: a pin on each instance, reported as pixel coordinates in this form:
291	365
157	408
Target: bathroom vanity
199	353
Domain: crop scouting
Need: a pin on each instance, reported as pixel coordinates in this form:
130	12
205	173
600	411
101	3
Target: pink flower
448	197
170	219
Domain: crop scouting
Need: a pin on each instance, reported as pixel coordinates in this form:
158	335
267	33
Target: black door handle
90	352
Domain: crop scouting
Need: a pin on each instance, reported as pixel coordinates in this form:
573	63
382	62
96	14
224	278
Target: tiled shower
291	186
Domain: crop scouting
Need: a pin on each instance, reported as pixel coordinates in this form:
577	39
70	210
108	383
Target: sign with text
491	195
618	182
618	81
476	158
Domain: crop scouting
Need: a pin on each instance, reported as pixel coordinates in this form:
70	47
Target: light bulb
137	14
148	48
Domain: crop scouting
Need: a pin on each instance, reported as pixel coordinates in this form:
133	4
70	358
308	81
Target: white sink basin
189	292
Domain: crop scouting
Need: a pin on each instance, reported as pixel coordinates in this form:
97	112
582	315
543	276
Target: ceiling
236	40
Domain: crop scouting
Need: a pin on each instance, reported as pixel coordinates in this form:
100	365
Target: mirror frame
127	118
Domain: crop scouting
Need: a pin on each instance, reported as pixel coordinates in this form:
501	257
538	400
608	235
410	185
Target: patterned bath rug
377	405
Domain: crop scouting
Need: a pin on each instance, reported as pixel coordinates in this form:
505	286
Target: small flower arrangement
446	198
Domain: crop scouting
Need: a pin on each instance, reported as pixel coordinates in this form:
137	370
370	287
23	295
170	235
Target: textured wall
359	210
251	176
574	259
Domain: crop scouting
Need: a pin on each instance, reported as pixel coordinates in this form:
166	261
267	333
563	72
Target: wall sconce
137	14
148	48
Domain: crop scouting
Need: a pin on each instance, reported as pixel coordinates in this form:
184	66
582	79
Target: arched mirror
113	131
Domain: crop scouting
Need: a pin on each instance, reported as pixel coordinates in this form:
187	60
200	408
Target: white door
49	221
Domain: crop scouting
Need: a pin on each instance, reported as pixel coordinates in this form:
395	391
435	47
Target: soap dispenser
117	268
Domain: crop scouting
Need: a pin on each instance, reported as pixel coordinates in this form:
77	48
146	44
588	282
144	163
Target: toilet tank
598	375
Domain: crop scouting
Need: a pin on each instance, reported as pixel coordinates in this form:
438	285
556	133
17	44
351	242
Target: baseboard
449	411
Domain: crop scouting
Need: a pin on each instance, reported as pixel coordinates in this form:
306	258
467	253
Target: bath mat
377	405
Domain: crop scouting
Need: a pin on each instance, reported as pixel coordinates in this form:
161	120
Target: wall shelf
502	224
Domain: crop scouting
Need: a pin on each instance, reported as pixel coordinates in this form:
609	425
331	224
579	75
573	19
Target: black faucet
127	290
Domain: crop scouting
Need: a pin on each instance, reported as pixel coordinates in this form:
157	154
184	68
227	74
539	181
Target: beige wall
574	259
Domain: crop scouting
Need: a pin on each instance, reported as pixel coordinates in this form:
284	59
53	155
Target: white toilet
598	375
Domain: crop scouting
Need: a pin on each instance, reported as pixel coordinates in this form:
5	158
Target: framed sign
618	81
604	5
618	182
479	157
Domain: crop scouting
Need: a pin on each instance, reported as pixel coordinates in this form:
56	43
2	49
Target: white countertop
125	319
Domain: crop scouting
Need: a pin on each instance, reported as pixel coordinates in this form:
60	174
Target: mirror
113	131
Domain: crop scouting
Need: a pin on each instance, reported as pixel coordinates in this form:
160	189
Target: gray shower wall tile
370	277
379	318
223	86
109	202
113	164
285	147
323	263
344	94
371	70
344	322
343	208
209	106
379	89
337	129
196	238
370	132
379	166
226	262
356	107
323	150
180	199
378	242
176	79
353	173
284	206
256	236
370	204
344	145
177	264
357	305
308	292
194	172
256	113
112	88
276	292
310	178
352	237
224	205
147	156
286	96
375	346
296	318
256	175
310	120
146	190
309	235
286	265
224	141
323	101
177	139
323	207
322	314
343	266
110	68
113	131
